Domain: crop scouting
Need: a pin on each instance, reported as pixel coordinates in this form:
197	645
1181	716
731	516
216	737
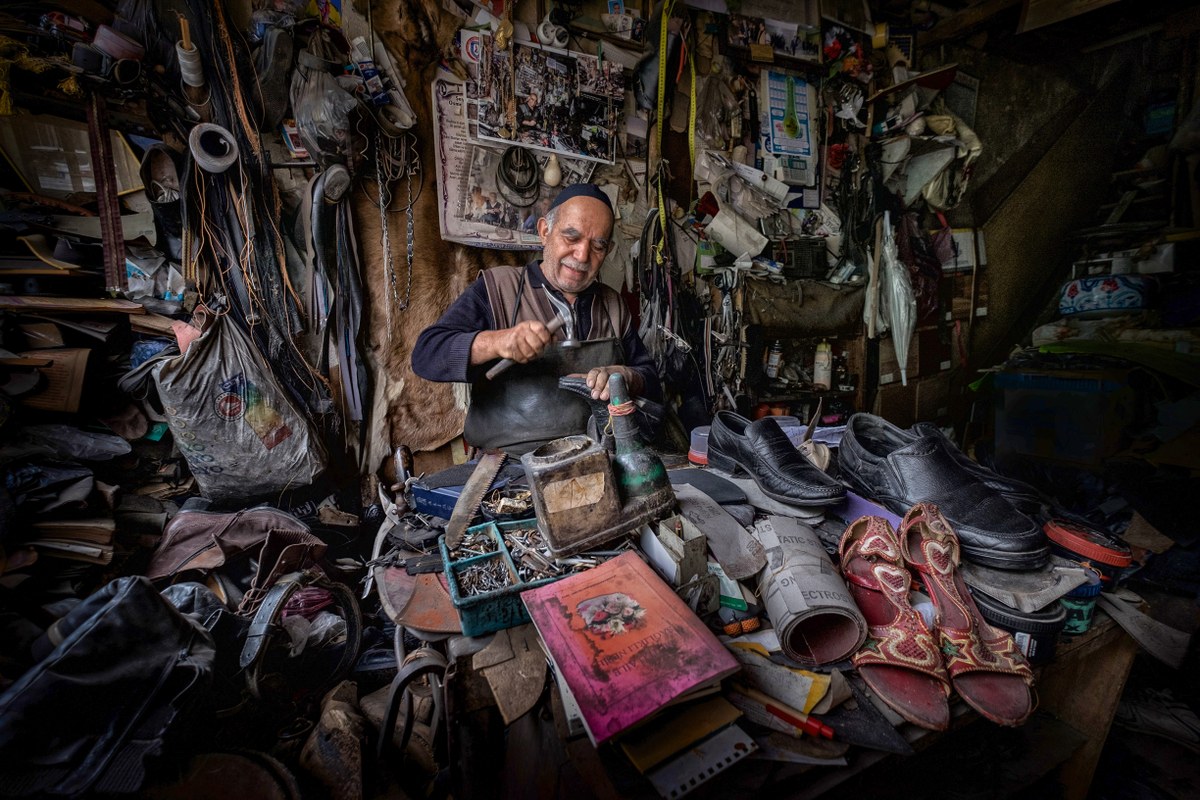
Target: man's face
574	250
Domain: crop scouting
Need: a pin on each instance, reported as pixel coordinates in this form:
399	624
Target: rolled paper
815	617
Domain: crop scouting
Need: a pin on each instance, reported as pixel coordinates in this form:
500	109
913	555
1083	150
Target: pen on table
810	725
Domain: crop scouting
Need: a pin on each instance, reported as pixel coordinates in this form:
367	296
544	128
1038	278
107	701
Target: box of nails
490	568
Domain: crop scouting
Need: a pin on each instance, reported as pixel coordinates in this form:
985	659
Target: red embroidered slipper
985	666
900	660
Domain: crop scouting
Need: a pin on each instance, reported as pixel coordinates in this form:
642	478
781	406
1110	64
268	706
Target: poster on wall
471	210
551	100
485	202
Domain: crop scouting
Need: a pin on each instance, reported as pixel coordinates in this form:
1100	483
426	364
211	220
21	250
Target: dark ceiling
993	25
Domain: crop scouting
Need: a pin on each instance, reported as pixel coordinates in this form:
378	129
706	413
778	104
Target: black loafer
1024	498
900	470
763	450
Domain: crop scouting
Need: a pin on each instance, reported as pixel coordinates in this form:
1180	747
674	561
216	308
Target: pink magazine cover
624	643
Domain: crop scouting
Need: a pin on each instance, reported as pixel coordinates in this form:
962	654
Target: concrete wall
1050	133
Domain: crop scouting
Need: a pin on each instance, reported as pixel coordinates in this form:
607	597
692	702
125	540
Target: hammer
504	363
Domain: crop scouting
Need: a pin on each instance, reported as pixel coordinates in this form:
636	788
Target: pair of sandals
909	666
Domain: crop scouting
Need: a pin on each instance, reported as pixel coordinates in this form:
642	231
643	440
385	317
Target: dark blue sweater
443	350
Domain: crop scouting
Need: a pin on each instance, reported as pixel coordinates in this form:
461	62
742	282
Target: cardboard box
889	367
959	290
933	398
934	355
897	403
64	379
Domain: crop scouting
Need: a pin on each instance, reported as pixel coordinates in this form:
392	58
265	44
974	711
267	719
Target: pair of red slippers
909	666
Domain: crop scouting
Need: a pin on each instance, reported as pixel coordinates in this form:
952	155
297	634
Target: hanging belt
105	173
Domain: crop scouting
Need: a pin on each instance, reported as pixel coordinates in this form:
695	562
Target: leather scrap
430	608
514	665
739	553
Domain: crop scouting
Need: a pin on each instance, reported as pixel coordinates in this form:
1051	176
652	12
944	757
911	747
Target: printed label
581	490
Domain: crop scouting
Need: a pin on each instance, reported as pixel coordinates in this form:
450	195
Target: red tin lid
1088	543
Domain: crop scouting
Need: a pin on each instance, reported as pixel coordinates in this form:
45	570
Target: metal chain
385	240
409	162
409	240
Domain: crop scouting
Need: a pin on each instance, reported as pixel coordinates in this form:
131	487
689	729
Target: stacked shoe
763	450
899	469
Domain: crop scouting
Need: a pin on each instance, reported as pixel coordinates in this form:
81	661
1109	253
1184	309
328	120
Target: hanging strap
662	91
100	144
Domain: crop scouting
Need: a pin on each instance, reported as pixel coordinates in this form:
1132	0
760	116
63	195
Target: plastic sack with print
241	434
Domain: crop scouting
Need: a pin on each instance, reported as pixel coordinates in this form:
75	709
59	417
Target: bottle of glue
823	366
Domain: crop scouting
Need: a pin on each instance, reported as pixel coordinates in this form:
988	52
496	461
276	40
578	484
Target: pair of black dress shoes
897	468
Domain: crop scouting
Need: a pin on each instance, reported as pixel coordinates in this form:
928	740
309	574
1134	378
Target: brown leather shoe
206	539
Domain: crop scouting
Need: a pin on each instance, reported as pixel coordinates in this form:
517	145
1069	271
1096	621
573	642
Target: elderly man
505	315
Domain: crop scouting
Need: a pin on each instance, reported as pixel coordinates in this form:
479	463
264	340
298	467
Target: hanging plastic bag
896	302
715	106
240	433
320	104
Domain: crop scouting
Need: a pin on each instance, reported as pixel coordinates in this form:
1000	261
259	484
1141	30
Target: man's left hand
597	381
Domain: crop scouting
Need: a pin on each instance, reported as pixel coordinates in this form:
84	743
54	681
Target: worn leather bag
129	678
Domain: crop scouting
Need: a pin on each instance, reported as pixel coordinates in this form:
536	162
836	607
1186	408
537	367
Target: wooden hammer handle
504	363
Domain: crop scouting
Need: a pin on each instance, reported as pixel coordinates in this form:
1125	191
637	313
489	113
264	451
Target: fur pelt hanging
406	409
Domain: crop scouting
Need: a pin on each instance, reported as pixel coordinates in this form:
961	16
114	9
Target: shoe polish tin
1035	632
1089	547
1080	604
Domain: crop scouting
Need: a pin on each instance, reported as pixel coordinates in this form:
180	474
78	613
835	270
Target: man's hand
597	381
523	342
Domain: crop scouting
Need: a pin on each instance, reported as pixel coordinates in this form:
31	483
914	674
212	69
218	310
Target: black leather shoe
762	449
1024	498
900	470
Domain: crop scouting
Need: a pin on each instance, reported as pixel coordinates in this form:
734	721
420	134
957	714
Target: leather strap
422	661
265	624
106	194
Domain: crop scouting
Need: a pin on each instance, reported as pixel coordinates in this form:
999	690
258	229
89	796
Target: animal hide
406	409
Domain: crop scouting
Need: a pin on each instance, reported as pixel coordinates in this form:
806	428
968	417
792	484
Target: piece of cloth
443	350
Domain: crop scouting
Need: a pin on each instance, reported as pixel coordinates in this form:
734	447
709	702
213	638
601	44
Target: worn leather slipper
985	666
900	660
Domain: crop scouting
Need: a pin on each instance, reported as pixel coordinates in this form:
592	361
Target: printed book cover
624	643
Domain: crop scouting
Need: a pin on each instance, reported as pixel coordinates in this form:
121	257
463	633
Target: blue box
438	502
1078	416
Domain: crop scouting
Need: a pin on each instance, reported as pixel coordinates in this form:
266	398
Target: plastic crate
486	612
1075	416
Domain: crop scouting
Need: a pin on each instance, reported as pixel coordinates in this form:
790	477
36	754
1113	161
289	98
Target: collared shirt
443	350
